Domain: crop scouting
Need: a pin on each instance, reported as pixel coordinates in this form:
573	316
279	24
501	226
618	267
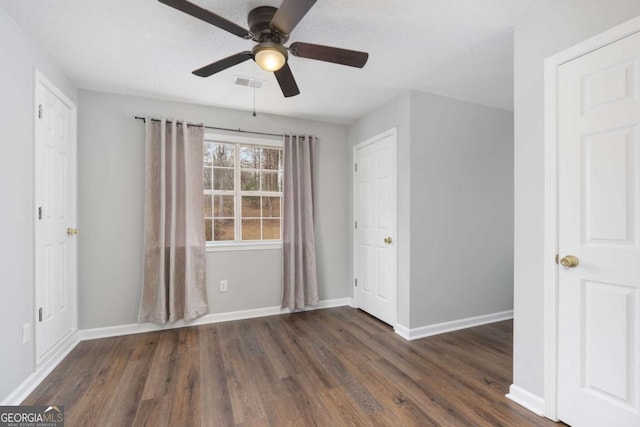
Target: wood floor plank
70	380
276	401
92	405
307	355
341	407
329	367
333	362
303	393
216	400
249	346
162	372
245	399
152	412
392	398
127	393
498	370
187	339
338	335
185	405
436	406
403	355
283	361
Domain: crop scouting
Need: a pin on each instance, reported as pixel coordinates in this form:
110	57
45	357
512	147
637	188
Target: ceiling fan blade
207	16
289	14
352	58
287	82
223	64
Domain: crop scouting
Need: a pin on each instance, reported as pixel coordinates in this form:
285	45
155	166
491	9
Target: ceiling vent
249	82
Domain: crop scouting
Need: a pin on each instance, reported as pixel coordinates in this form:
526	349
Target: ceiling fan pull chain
254	102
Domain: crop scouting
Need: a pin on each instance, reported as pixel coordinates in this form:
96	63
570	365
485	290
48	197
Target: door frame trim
394	162
39	77
551	70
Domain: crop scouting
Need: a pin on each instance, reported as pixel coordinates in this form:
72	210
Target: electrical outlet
26	333
223	286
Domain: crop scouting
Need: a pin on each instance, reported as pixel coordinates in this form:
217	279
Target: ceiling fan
270	27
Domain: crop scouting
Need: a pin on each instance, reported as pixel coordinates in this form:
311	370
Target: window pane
207	154
223	206
224	229
207	205
271	159
207	178
271	229
249	181
271	207
222	155
250	229
208	230
250	157
222	179
260	172
269	181
250	207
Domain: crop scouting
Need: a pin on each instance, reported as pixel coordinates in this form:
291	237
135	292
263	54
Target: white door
375	226
55	167
599	224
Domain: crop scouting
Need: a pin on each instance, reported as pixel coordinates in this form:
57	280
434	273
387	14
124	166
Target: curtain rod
218	128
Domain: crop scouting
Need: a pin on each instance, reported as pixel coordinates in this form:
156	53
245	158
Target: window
242	189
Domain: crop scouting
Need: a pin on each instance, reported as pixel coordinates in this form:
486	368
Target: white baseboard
526	399
44	368
137	328
403	331
454	325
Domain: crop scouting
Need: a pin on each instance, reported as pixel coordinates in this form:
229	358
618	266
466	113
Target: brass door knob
569	261
72	231
388	240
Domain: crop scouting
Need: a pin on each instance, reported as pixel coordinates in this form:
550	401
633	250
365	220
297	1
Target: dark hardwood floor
327	367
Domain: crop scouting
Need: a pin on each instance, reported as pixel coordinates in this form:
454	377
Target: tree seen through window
243	192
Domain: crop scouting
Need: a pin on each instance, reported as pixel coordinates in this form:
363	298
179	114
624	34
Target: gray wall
19	57
461	209
455	198
551	29
395	114
111	194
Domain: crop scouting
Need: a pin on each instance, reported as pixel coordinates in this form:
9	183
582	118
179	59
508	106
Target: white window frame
238	245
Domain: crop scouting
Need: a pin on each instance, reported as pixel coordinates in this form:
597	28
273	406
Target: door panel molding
551	219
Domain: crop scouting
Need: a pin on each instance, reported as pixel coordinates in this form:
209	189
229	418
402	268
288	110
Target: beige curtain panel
298	237
174	256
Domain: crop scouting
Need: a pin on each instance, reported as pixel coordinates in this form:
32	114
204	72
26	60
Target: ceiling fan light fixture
270	56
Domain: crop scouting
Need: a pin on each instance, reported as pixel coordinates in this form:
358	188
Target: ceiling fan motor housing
259	20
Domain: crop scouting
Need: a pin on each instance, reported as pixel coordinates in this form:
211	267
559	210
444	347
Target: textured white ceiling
457	48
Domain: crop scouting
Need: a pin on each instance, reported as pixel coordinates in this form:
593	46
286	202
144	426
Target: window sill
232	247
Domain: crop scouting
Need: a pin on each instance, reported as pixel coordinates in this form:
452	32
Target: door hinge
40	314
40	111
40	213
355	168
356	282
356	225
